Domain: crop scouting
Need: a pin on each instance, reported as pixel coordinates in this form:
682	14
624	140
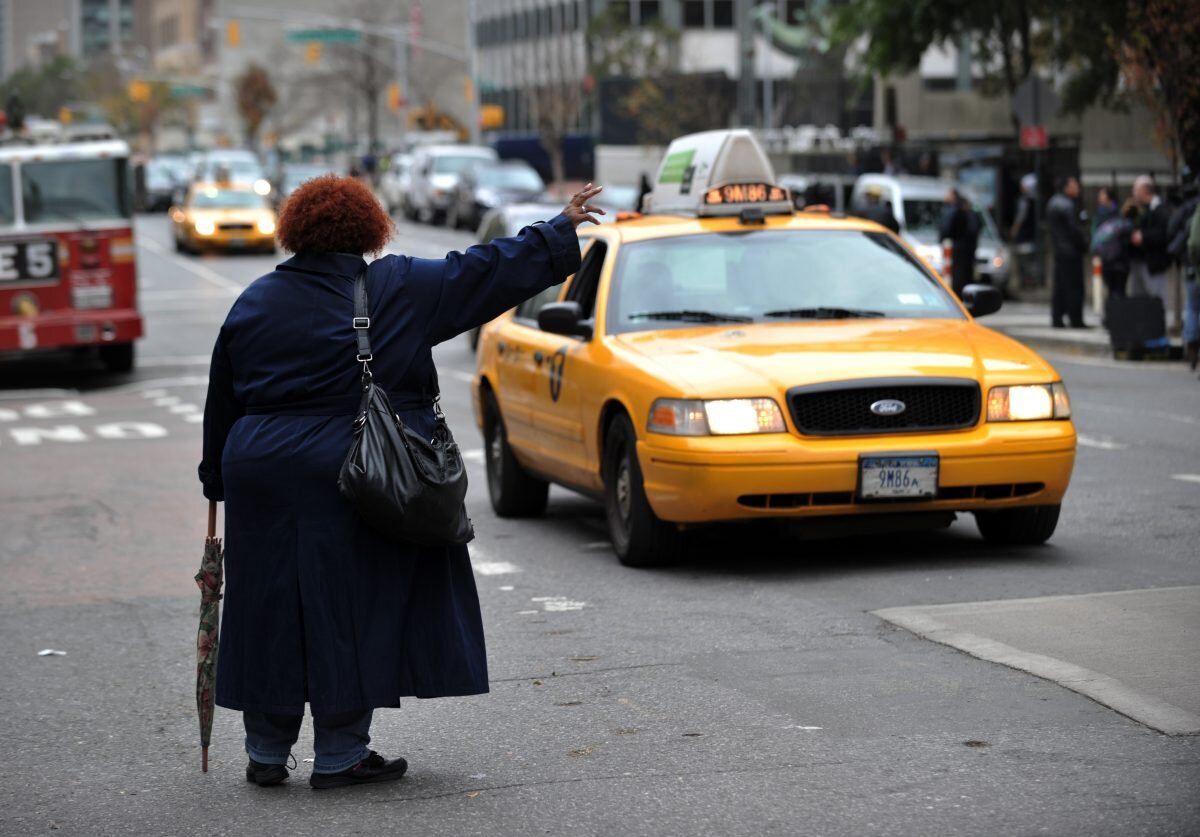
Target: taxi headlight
725	417
262	187
1038	402
205	227
266	226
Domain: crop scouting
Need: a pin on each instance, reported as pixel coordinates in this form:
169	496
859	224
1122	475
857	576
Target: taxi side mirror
982	300
564	318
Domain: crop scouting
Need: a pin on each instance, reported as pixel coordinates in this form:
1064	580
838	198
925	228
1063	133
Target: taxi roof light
717	174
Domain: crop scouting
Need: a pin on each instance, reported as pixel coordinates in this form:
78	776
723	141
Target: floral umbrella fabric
209	580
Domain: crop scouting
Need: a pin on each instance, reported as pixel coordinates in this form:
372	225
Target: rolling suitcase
1136	325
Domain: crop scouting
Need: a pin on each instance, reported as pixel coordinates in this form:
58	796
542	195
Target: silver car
396	182
435	173
918	204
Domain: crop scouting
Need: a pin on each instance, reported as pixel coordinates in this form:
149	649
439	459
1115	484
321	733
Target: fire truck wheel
118	357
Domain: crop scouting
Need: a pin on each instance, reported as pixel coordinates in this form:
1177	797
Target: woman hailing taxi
319	608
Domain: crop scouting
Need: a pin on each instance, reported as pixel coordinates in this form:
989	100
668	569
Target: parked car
510	220
436	170
395	183
486	186
918	204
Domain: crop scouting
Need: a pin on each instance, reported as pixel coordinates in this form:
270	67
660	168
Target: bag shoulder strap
362	317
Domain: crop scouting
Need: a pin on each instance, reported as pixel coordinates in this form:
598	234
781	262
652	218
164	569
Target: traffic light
395	98
312	52
139	91
468	90
233	33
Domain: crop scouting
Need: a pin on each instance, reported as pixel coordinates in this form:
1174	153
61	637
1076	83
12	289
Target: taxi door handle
501	346
538	357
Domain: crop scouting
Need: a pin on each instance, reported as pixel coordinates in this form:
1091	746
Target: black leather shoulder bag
409	488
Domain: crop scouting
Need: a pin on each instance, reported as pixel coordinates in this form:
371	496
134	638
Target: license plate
237	241
888	477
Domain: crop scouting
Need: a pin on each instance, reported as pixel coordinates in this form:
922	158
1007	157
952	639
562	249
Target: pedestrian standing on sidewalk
1023	233
960	224
1149	260
320	609
1110	242
1189	234
1106	208
1064	223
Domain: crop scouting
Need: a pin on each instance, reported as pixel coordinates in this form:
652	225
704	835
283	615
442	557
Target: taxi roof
717	173
668	226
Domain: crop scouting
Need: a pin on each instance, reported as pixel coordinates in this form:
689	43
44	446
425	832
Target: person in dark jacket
1070	243
1149	259
1110	241
960	224
319	608
874	209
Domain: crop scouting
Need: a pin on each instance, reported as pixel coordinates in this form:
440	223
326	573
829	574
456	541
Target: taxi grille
235	226
844	408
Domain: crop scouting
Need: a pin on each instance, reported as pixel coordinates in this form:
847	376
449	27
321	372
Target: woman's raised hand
578	210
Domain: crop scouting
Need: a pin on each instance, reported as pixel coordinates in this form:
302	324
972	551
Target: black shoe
1193	355
374	768
265	775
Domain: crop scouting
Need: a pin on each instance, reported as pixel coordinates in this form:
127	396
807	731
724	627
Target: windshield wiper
823	313
691	316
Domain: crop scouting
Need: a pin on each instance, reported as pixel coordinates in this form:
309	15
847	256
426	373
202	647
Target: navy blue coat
318	608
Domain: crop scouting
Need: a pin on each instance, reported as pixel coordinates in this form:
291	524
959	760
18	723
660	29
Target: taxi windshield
770	276
74	190
227	199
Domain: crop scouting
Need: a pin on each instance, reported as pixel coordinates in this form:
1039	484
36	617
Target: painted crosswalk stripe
1186	477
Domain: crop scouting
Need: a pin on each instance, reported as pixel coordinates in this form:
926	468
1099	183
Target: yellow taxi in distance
223	216
724	358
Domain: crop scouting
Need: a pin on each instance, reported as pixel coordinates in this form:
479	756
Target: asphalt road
748	691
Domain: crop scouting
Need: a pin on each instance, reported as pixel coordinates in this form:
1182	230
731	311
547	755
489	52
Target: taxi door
554	394
514	347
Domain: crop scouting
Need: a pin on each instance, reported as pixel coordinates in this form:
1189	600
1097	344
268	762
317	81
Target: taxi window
770	276
527	311
583	287
227	199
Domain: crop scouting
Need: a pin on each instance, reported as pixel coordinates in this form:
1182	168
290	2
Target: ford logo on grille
888	407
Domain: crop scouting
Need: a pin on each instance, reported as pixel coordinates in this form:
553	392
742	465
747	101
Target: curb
1035	339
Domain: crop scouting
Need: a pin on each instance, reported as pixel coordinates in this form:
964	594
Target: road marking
180	409
507	588
205	273
194	418
34	435
528	612
558	604
798	726
465	377
1186	477
473	455
167	401
495	568
1099	443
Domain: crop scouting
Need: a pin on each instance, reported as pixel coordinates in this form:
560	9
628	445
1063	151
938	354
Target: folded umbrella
209	581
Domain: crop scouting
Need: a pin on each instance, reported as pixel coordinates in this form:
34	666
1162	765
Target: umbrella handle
212	518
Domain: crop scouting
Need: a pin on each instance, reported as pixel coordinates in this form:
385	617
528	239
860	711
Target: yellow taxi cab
223	216
725	358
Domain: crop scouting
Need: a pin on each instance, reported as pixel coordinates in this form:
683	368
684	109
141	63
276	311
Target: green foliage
43	91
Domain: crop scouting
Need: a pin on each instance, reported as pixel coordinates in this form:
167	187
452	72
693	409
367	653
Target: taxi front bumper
710	479
250	239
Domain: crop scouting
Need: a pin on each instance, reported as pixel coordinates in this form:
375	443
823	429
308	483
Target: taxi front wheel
639	538
1018	527
513	492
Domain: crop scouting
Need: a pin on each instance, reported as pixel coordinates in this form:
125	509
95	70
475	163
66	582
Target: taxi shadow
781	548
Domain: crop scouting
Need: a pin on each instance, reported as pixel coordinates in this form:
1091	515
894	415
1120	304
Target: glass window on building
723	14
693	14
648	11
620	10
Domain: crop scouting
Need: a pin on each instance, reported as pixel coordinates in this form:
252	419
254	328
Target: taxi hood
761	358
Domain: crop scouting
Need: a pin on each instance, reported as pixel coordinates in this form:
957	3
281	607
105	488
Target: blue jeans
1191	312
340	741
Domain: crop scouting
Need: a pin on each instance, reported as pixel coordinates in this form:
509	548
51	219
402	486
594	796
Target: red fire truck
68	268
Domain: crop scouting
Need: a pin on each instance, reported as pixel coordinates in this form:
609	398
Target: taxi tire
513	492
1028	526
643	540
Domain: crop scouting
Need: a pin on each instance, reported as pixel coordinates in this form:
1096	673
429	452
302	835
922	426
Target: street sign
325	36
184	90
1034	137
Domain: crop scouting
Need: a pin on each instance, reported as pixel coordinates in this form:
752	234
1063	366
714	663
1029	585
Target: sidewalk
1135	651
1029	322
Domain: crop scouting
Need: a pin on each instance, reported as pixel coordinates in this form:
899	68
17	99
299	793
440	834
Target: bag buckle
361	322
364	358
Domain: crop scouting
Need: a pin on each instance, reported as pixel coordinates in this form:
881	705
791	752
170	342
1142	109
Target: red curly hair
332	214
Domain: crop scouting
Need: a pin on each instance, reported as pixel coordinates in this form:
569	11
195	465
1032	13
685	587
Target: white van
435	173
918	204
